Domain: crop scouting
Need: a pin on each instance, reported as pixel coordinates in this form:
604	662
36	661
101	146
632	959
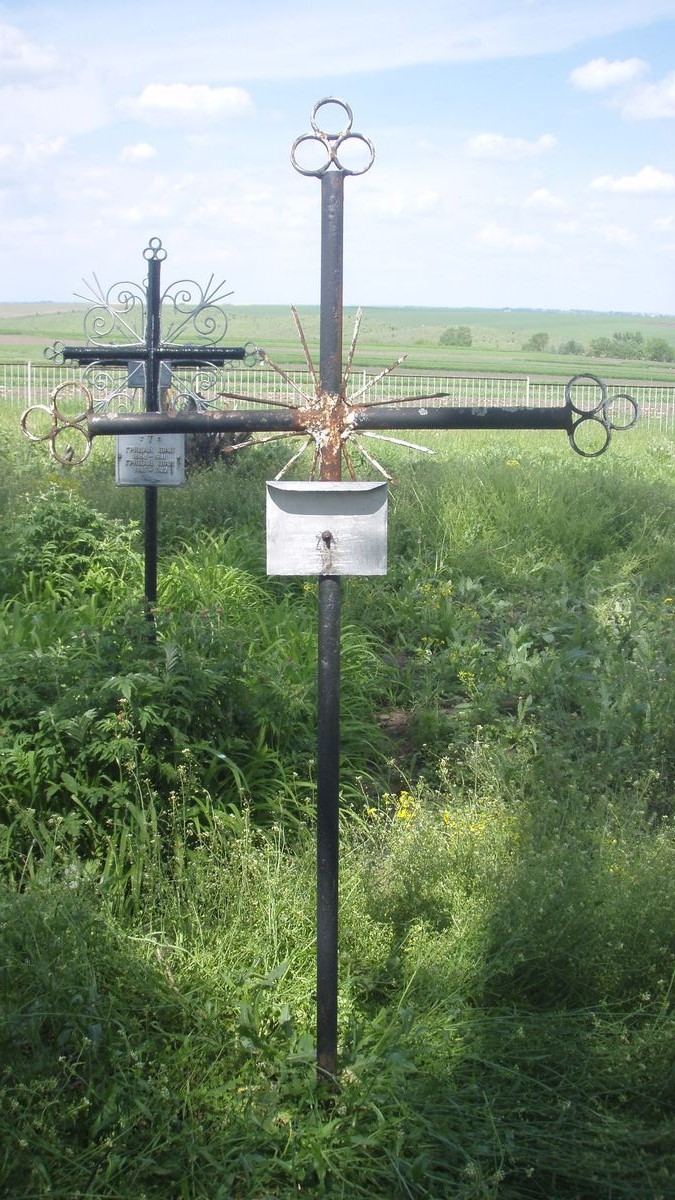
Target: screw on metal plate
325	543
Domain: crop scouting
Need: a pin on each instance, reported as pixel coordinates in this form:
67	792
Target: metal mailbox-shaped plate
326	528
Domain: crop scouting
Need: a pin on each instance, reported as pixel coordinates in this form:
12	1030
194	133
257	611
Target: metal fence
23	384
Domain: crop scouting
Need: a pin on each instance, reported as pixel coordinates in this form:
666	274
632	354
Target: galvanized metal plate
326	528
136	375
150	460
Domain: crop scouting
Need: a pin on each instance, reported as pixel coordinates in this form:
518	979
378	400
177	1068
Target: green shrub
456	335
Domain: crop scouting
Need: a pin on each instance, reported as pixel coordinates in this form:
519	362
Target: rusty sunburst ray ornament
328	419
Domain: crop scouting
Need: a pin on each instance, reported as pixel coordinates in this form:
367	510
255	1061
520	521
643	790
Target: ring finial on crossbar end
595	415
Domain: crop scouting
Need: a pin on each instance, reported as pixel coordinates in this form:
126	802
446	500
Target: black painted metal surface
328	822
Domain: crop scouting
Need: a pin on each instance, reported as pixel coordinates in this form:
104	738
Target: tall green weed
507	957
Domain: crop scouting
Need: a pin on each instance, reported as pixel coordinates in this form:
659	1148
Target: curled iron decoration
65	428
252	358
103	383
205	387
188	308
109	388
613	414
117	313
331	144
199	390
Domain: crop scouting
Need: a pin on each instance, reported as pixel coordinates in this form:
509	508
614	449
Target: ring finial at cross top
154	250
322	150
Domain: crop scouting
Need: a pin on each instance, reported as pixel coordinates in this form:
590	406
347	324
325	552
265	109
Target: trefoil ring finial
327	146
596	414
154	250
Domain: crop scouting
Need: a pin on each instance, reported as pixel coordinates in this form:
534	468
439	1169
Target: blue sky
524	150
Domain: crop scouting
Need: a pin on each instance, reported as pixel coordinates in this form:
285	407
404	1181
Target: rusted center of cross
327	423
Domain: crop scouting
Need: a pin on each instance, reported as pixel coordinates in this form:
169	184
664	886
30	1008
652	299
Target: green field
507	929
498	337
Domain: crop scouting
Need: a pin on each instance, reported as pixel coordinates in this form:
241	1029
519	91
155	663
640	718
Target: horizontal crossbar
464	418
295	420
119	356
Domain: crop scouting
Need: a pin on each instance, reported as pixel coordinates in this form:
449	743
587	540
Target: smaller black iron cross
107	317
153	350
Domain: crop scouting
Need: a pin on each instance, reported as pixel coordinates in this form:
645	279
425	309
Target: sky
524	149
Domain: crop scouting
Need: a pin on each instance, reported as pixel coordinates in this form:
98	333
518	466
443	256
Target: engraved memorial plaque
150	460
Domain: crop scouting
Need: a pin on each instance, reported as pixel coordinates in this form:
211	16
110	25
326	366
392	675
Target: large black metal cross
329	421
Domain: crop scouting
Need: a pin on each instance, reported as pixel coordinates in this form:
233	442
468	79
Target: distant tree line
620	345
632	345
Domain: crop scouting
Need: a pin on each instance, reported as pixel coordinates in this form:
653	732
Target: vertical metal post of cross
331	171
153	337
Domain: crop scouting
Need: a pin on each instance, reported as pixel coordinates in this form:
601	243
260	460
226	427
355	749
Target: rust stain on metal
324	420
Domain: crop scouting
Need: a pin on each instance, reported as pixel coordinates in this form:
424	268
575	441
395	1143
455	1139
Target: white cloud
600	73
616	234
397	196
496	237
140	214
140	152
428	200
664	224
39	150
30	153
384	202
22	60
22	227
508	149
186	101
638	101
648	181
652	101
379	37
544	199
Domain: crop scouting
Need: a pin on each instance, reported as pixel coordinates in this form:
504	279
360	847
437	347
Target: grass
498	337
507	884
